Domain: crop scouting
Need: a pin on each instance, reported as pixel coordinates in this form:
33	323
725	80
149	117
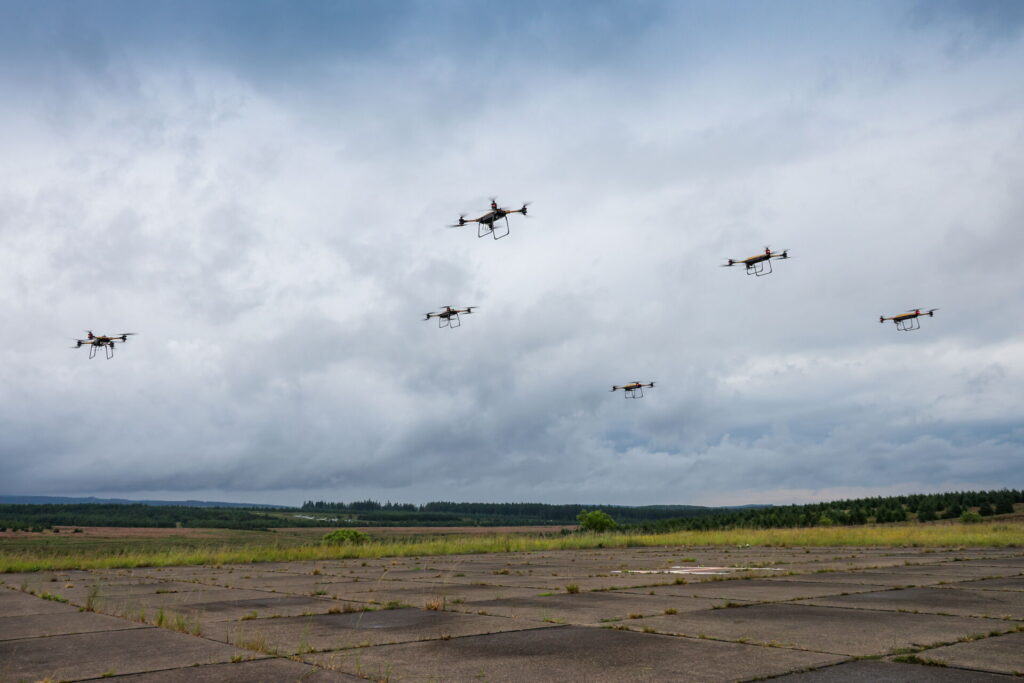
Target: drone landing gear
759	269
451	321
110	352
485	228
92	351
633	393
908	325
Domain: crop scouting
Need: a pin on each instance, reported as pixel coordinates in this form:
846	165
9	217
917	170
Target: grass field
33	552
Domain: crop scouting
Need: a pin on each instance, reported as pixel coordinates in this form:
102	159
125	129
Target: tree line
878	510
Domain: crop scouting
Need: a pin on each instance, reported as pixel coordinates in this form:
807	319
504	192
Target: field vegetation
240	547
978	519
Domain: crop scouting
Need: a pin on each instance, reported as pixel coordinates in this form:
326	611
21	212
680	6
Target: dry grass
905	535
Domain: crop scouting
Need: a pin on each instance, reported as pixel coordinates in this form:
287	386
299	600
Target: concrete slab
267	607
585	608
293	635
872	577
244	672
419	594
569	653
761	590
1013	583
823	629
1003	654
872	671
16	603
39	625
946	600
130	605
91	655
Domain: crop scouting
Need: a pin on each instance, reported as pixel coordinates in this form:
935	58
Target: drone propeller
730	263
523	209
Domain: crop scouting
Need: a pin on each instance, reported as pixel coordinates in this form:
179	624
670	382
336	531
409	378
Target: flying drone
487	222
633	389
449	317
95	341
758	265
906	322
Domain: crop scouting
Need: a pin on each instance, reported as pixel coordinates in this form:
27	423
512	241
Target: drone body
633	389
760	264
449	317
104	341
487	222
907	322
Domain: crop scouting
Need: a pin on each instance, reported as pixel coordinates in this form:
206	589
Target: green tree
595	520
969	517
346	536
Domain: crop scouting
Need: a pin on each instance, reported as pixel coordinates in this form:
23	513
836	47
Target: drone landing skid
633	393
908	325
483	229
759	269
451	321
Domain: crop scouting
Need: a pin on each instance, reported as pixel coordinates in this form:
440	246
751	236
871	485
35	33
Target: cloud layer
262	195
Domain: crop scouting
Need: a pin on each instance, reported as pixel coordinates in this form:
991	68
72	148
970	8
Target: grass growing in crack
914	659
572	588
52	596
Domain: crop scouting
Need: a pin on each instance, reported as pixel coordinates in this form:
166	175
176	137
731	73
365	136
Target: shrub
969	517
595	520
346	536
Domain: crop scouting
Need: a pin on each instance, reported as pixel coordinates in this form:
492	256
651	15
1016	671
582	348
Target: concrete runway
642	614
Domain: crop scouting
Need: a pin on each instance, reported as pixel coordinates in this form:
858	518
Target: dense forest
878	510
39	517
652	518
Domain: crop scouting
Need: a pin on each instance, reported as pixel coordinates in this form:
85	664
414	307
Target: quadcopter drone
487	222
760	264
449	317
633	389
906	322
94	342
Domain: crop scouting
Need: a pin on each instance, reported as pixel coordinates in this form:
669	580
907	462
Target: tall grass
908	535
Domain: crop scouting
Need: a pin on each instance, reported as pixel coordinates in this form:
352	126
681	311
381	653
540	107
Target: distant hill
64	500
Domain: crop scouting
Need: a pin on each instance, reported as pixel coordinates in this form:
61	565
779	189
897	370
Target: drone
486	222
449	317
758	265
95	341
906	322
633	389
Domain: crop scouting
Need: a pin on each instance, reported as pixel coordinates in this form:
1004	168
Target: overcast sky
260	190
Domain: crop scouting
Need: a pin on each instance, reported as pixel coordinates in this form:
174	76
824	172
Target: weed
914	659
671	610
52	596
161	618
635	615
435	605
395	604
572	588
318	593
90	598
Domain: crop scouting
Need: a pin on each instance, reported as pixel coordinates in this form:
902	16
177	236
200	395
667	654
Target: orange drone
758	265
94	341
486	223
449	317
906	322
633	389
